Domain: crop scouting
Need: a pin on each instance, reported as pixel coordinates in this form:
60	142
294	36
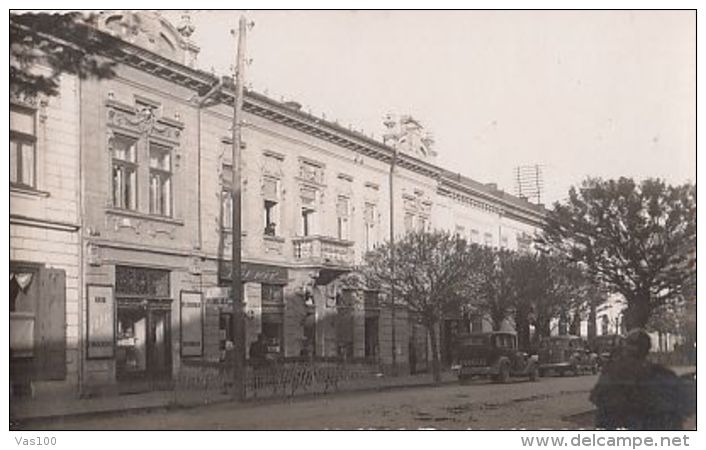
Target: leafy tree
430	277
63	43
630	237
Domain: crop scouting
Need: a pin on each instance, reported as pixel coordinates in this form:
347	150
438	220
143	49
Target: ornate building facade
143	197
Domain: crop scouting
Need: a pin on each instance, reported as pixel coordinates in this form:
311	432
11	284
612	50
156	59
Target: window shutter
50	326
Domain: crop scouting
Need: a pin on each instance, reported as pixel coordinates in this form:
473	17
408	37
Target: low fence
279	379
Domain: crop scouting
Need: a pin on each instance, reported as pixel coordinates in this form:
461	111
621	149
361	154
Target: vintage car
566	354
495	355
606	346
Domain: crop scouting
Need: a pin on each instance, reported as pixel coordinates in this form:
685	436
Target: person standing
633	393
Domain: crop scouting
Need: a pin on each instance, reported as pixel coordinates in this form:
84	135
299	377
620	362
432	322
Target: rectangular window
160	180
488	239
475	236
370	217
270	192
273	294
226	197
270	213
422	223
123	150
226	210
307	221
460	231
23	144
408	222
342	217
141	282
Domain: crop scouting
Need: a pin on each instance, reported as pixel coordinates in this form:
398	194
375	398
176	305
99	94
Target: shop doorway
143	343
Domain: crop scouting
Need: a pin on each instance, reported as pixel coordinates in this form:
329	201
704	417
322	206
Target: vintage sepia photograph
352	220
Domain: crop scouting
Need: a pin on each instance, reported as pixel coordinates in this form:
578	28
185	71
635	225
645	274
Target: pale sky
599	93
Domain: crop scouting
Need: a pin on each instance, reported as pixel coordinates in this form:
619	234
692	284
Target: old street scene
435	220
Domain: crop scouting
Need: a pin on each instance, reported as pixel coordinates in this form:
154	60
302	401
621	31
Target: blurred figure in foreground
635	394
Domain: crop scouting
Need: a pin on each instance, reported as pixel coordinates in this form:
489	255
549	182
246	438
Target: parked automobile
566	354
606	346
495	355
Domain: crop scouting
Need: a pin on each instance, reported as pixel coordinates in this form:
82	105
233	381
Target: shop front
143	327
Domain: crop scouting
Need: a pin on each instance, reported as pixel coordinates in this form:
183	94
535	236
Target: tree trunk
592	320
575	327
523	330
638	312
435	368
542	328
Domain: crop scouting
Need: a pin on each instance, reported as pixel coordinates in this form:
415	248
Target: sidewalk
23	410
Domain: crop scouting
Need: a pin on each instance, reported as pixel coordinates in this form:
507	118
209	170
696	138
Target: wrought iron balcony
323	251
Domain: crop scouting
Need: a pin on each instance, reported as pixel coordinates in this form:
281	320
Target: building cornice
279	112
17	219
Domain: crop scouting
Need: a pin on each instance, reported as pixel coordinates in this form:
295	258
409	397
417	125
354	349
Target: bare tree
432	273
630	237
495	291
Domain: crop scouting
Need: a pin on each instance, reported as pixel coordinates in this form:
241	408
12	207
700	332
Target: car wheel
504	374
534	374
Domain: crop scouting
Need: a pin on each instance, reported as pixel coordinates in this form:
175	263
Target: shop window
273	333
123	151
23	147
225	332
37	323
141	282
143	343
160	180
273	294
131	353
23	297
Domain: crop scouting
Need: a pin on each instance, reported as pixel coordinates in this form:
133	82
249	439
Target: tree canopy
632	237
432	272
63	43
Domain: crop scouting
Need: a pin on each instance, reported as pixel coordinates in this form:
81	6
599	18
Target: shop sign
257	273
101	322
191	324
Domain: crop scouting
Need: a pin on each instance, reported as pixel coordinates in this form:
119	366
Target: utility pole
240	367
392	137
392	260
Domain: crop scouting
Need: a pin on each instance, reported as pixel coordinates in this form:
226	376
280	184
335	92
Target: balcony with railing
323	251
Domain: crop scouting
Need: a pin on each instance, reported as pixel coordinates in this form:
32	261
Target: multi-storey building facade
45	271
148	224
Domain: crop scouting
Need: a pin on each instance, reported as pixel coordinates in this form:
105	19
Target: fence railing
280	379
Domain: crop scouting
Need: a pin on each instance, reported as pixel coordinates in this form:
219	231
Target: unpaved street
478	405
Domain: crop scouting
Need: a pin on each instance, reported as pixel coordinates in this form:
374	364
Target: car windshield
504	341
